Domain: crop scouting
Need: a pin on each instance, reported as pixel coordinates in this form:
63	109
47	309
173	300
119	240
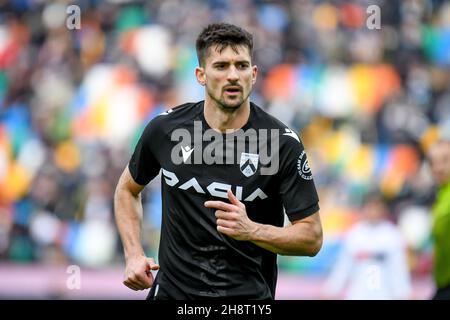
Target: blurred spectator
439	157
372	259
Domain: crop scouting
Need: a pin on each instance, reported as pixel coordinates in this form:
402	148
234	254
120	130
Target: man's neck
223	121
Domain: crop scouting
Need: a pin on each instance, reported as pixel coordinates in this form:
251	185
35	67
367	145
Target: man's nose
233	74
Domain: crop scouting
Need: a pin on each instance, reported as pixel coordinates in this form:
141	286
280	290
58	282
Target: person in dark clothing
223	206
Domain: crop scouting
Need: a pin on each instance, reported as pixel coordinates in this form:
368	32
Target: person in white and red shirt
372	263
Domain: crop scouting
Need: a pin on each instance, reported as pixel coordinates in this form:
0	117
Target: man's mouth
233	90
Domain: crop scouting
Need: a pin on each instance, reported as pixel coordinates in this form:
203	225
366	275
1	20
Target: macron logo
186	152
291	134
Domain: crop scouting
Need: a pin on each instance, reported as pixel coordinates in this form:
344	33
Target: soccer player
439	157
372	264
222	220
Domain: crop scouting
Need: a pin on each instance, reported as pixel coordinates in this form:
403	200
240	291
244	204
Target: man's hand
232	218
138	275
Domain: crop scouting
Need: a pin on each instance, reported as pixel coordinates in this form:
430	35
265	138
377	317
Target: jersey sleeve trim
136	179
301	214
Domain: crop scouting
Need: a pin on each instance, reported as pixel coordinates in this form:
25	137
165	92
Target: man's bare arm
128	215
303	237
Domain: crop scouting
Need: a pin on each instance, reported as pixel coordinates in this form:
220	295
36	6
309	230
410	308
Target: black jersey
196	261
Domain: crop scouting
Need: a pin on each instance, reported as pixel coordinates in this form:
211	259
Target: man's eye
220	66
242	66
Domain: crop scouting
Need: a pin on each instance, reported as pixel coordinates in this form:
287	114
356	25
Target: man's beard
229	107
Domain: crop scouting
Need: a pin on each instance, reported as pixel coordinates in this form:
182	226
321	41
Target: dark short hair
223	35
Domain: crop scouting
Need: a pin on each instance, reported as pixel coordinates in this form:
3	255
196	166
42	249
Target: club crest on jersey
249	163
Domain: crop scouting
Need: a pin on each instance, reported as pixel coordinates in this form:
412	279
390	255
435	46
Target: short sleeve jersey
267	170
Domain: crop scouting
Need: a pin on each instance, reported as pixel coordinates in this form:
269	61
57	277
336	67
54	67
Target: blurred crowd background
367	104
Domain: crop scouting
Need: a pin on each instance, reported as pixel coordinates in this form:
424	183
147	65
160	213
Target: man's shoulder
174	117
184	111
264	120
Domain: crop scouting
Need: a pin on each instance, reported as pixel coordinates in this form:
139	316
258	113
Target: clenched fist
138	275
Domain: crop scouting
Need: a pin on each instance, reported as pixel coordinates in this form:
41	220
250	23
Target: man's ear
254	73
200	75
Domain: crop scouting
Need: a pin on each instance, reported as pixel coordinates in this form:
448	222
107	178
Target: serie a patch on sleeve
303	167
